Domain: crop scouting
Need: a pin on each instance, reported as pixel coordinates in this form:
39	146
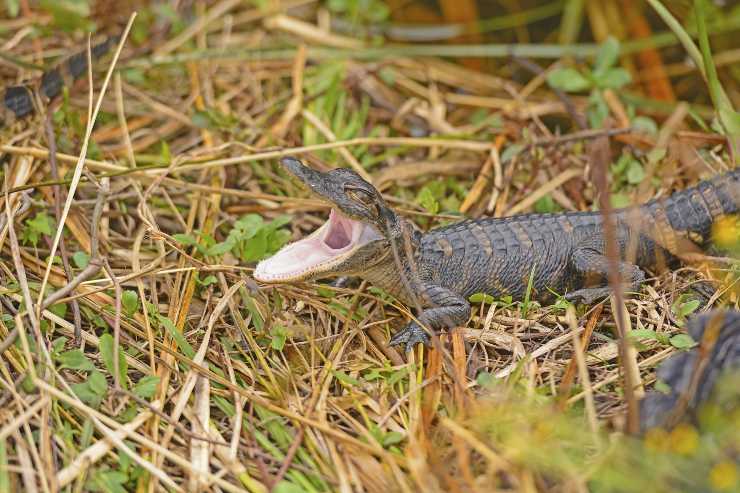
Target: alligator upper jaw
320	253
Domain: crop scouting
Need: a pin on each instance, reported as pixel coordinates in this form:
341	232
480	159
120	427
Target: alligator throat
323	250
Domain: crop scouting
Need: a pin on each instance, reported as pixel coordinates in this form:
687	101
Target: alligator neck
387	273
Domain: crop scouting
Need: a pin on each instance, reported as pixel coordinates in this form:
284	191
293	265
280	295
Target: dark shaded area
692	375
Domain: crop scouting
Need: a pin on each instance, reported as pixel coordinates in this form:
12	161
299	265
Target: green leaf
277	239
249	303
108	481
683	308
75	360
287	487
220	248
645	125
59	310
606	57
185	239
81	259
662	387
682	341
69	15
40	224
93	390
656	155
485	379
614	78
130	302
180	340
387	75
545	205
482	298
597	110
279	221
106	353
256	248
510	152
57	345
209	280
98	383
392	438
619	200
249	224
568	80
344	378
427	200
643	334
279	335
635	172
146	387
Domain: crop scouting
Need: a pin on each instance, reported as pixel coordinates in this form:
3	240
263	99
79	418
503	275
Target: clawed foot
410	336
587	296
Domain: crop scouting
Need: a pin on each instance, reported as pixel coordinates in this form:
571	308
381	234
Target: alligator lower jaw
320	253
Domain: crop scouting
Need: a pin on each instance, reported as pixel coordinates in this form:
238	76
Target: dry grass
161	364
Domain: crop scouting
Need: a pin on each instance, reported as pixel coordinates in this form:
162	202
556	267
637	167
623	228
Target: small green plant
386	439
441	196
603	75
80	259
678	341
40	225
249	240
684	306
279	335
107	353
130	302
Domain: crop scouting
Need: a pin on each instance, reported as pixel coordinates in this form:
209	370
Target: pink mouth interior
324	248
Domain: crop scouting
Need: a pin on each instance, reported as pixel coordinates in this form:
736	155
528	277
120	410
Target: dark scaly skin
564	253
18	102
691	376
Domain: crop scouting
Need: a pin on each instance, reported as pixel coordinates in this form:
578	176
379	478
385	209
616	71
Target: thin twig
89	271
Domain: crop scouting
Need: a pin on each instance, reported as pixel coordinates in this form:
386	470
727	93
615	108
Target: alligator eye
360	195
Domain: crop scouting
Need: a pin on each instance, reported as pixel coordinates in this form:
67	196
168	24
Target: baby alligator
692	376
21	101
437	271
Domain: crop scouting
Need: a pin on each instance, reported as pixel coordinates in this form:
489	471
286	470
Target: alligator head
356	237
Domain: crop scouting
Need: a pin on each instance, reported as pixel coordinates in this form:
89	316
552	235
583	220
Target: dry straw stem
99	449
582	370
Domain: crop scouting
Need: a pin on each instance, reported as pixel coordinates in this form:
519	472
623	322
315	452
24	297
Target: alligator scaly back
20	101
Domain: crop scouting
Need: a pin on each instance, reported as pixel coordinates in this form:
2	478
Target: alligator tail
695	210
18	101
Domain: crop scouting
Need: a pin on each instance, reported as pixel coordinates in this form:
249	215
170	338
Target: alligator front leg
443	309
589	263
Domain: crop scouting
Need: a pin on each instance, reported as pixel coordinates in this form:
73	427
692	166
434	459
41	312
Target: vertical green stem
571	24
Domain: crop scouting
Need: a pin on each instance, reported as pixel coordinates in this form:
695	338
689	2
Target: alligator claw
410	336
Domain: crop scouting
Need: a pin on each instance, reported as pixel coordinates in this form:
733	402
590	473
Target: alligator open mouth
327	247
